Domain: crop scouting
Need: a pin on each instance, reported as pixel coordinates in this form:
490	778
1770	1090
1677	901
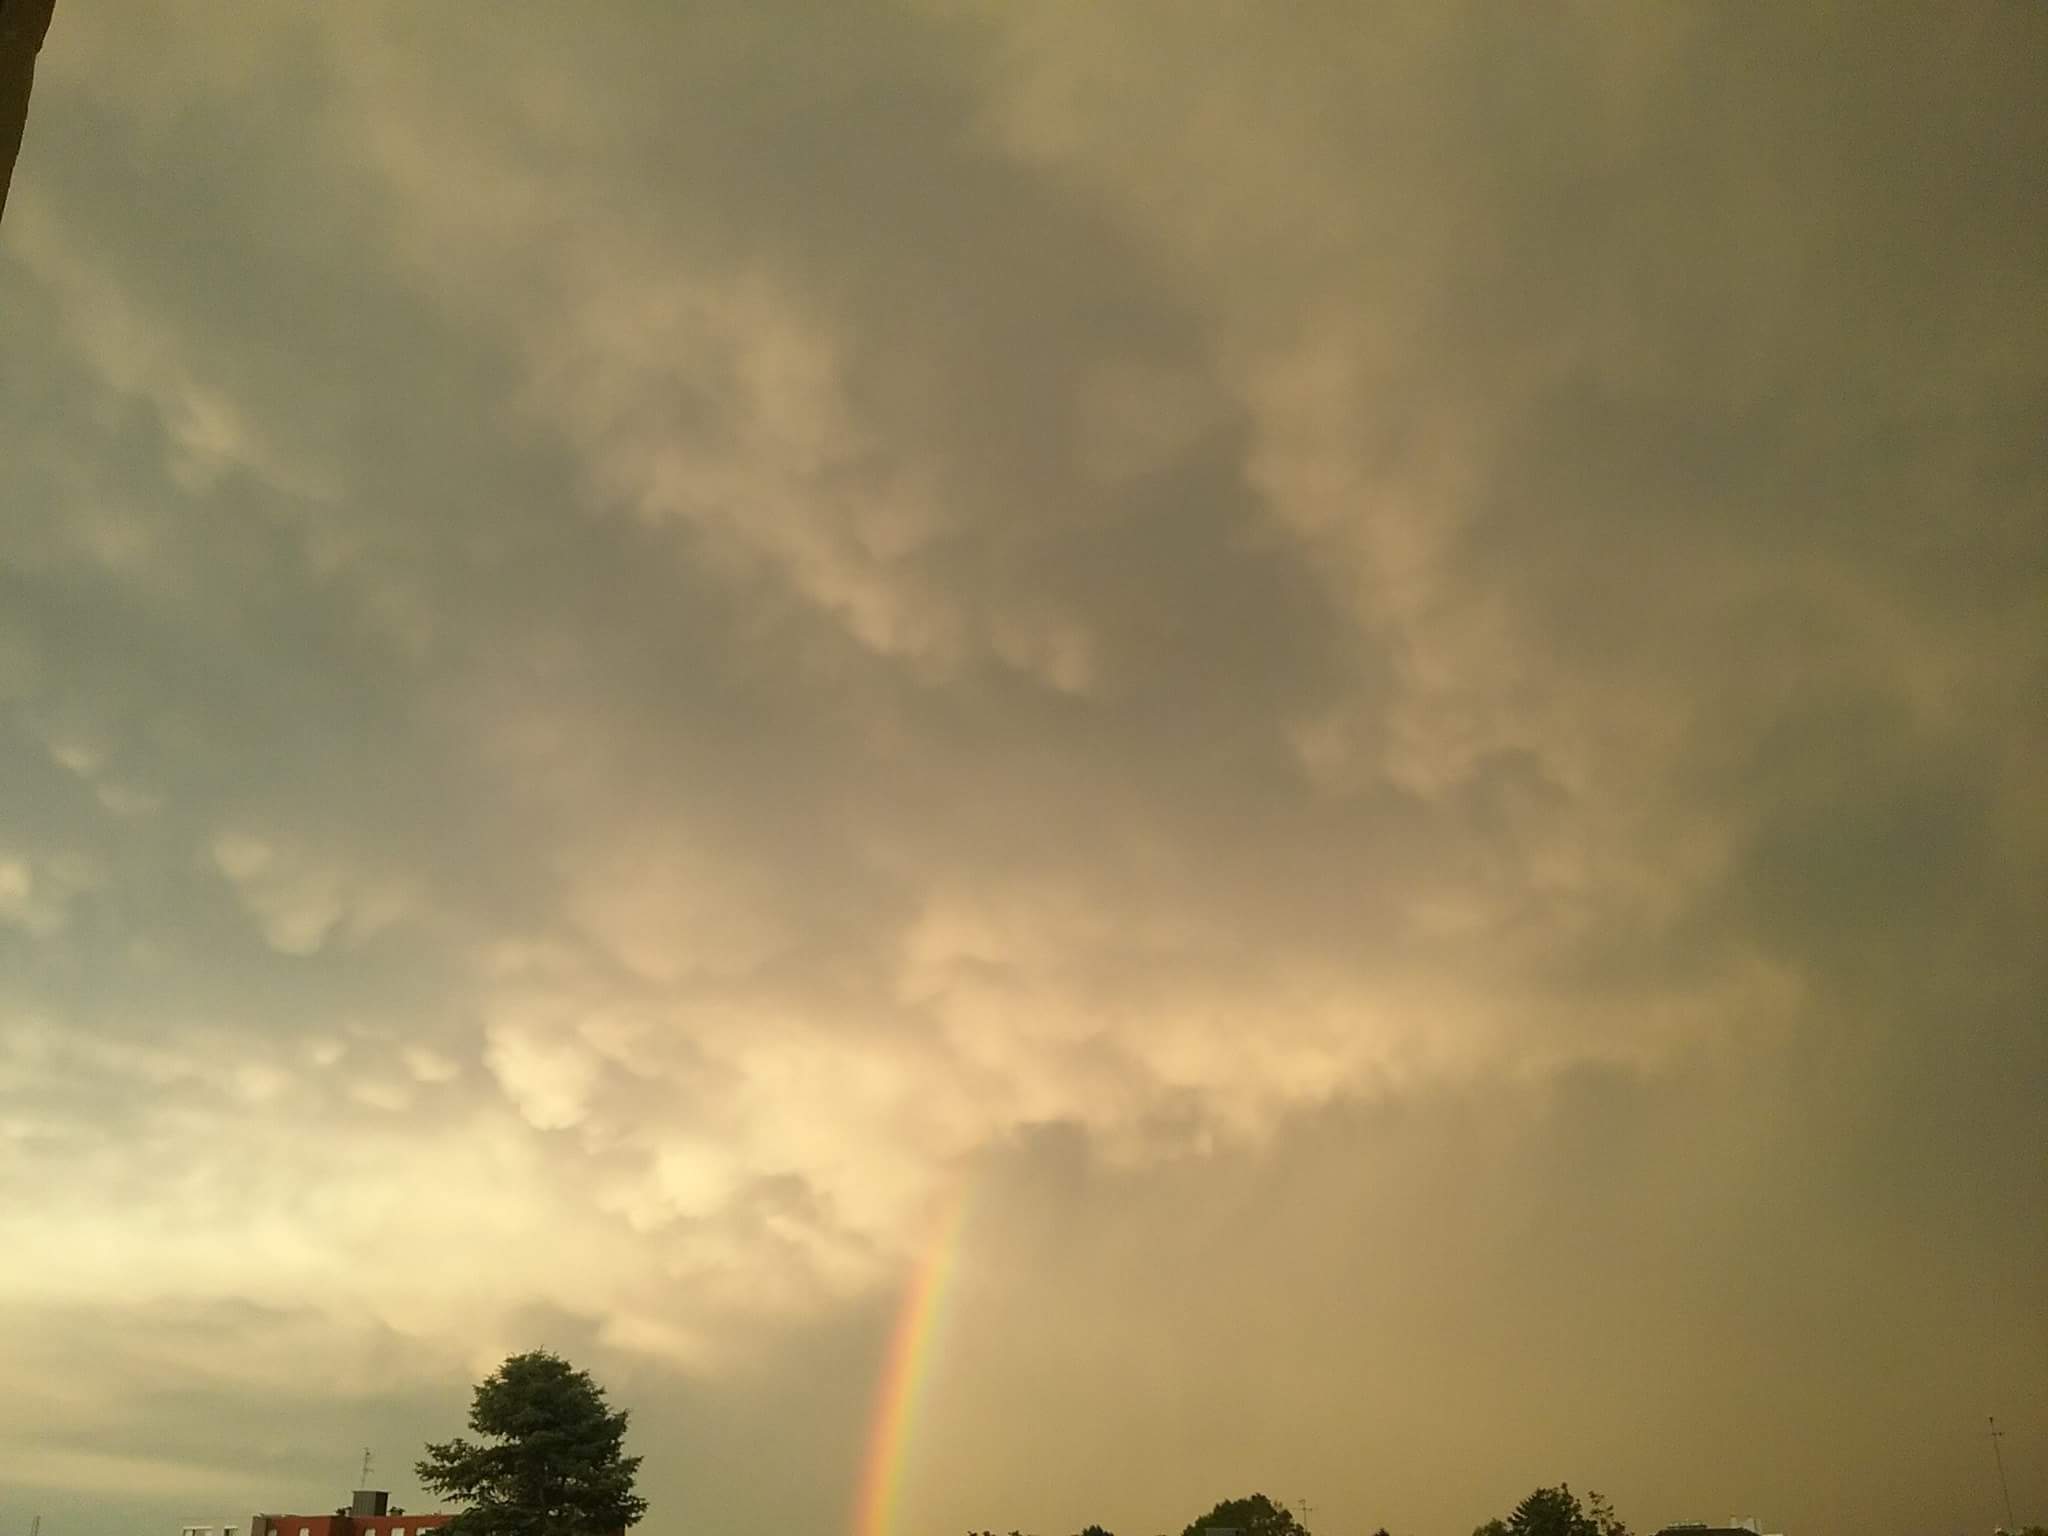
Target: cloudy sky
1372	677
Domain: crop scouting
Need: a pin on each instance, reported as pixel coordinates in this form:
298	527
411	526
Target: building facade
369	1514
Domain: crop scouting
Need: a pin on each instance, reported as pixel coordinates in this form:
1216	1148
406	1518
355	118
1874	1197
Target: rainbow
906	1371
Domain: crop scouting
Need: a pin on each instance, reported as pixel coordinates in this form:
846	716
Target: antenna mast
364	1480
1998	1456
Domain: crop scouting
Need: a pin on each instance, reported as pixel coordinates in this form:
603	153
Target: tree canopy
1558	1512
552	1461
1256	1515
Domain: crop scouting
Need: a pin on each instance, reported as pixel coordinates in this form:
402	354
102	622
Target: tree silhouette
555	1467
23	24
1256	1515
1558	1512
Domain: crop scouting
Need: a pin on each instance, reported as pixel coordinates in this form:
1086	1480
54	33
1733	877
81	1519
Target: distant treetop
1558	1512
1255	1516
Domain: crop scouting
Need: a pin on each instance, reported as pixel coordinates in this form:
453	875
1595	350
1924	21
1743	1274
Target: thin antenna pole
1307	1509
364	1481
1998	1456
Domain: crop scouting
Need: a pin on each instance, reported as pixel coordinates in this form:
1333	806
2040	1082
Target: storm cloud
1378	671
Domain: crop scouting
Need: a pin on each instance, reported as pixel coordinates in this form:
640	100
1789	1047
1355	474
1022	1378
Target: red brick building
369	1514
344	1525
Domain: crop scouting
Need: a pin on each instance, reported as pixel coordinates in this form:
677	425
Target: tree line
550	1461
1546	1512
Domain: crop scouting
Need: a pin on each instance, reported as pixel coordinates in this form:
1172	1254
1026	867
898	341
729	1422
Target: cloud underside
633	647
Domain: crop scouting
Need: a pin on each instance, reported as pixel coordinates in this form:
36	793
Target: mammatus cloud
1375	671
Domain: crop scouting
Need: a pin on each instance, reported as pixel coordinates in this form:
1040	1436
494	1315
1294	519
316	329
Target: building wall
345	1525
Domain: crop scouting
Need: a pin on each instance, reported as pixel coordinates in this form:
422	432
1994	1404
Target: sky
1361	686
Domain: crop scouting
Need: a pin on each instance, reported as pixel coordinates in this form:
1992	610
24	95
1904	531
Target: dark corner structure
23	24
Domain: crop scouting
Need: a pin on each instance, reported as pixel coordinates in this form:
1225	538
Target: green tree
1093	1530
1558	1512
1491	1528
551	1463
1602	1514
1257	1516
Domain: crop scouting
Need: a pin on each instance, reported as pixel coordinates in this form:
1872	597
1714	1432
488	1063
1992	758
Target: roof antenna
1998	1456
364	1481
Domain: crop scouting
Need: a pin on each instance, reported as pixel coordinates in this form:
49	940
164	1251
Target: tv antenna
1998	1457
1307	1509
364	1480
